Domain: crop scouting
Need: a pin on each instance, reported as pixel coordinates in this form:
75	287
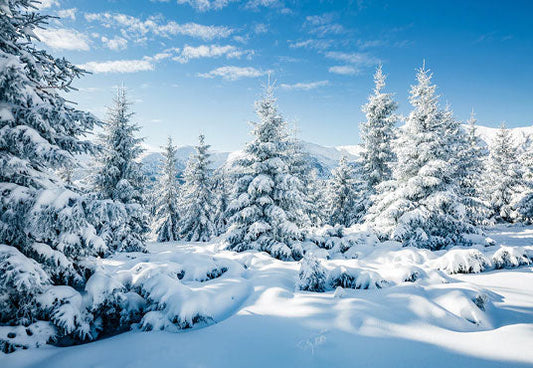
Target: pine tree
317	198
46	238
221	189
503	177
267	197
197	203
524	206
167	215
469	173
119	178
342	195
421	206
377	134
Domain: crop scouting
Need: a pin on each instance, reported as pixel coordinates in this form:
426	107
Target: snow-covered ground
257	317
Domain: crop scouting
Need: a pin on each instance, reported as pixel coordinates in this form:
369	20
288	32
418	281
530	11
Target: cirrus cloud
232	73
305	86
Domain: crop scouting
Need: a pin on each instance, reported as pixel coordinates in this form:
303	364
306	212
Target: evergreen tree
503	178
221	189
197	204
317	198
469	173
342	195
46	238
377	134
119	178
524	207
421	206
167	215
267	196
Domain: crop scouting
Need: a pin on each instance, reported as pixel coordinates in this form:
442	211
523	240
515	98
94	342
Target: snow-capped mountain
323	158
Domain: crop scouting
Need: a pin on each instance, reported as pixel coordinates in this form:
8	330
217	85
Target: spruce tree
377	134
197	205
421	206
221	190
342	195
503	177
167	215
524	206
47	242
469	169
119	178
267	196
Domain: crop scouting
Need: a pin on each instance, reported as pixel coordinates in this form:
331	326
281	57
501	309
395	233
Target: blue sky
197	65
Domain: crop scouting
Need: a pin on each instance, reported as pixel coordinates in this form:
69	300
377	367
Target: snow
406	312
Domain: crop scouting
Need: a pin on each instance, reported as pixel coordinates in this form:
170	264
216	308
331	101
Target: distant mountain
323	158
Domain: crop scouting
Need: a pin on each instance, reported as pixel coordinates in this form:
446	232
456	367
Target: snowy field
258	318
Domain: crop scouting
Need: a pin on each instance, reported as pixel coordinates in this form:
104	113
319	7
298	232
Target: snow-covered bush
312	276
509	257
351	278
463	260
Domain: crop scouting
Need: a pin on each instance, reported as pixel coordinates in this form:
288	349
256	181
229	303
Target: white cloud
116	43
46	4
62	38
233	73
323	24
344	70
118	66
311	44
209	51
137	28
257	4
305	86
357	58
67	13
260	28
205	5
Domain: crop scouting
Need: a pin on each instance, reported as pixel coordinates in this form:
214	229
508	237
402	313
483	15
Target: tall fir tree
377	134
47	240
469	167
524	206
167	214
342	195
421	206
503	177
119	177
221	190
197	205
267	196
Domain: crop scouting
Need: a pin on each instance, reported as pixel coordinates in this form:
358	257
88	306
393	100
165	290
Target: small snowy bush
312	275
509	257
356	279
463	260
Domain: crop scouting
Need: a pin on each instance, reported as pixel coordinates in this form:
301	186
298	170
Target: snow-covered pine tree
267	197
46	240
221	190
119	178
342	195
377	134
503	177
167	215
197	205
524	206
420	206
469	168
317	198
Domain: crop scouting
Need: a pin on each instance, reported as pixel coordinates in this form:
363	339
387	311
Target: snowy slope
261	320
